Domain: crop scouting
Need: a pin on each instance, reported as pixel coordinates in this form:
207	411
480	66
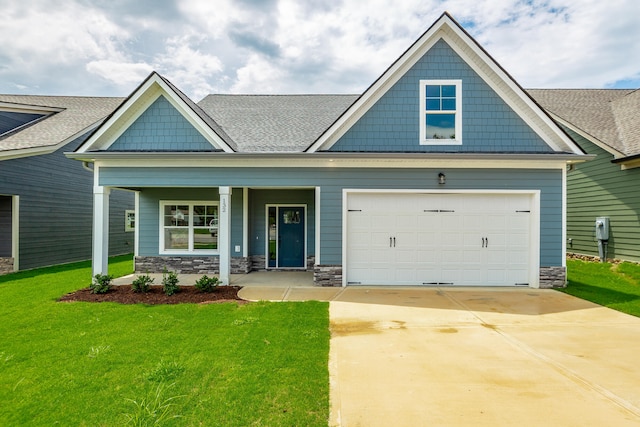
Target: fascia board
330	160
616	154
28	108
39	151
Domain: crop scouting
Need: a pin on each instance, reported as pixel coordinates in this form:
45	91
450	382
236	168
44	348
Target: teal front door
289	241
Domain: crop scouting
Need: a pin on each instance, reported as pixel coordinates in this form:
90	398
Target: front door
287	237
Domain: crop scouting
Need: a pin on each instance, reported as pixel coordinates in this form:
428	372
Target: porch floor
271	279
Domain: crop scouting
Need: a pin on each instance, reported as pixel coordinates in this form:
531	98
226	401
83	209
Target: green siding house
444	172
605	123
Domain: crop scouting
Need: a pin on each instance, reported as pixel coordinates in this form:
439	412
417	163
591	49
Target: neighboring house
443	172
46	199
604	123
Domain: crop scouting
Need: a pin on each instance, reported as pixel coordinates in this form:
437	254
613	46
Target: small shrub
170	282
142	283
101	284
207	284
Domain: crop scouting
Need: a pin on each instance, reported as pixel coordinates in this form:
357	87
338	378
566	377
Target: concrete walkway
480	357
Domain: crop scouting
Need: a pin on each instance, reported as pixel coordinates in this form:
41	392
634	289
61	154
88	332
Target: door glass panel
272	236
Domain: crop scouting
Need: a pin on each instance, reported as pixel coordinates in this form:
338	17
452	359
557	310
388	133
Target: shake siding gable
600	188
161	128
488	123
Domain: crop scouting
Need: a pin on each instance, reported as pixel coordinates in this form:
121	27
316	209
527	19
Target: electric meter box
602	228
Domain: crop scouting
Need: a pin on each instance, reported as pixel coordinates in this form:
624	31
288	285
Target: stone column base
6	265
553	277
327	275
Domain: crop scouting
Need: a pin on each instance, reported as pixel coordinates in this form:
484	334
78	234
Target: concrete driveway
481	357
475	357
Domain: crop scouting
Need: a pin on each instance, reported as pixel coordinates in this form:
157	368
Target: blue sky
106	48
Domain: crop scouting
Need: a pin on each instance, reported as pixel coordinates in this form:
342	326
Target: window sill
441	142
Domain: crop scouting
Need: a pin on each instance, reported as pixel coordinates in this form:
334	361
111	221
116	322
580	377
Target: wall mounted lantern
441	178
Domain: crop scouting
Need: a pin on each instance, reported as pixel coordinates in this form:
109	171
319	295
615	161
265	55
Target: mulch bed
123	294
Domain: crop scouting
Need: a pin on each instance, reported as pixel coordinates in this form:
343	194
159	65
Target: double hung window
440	112
188	227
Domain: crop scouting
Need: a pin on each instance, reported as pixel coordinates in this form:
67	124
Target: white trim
423	112
39	151
100	255
449	31
224	234
317	202
564	217
136	230
136	105
15	231
266	219
477	161
245	222
190	227
12	107
534	254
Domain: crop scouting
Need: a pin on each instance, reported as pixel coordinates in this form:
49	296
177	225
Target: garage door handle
485	242
390	240
394	242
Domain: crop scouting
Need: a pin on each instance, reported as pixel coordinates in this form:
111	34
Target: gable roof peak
153	87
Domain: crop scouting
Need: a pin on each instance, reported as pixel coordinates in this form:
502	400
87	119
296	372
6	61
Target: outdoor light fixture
441	178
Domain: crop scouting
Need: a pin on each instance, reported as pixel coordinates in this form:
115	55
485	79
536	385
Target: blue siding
488	124
332	181
161	128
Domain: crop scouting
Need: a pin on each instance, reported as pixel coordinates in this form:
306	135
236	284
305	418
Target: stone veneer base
553	277
6	265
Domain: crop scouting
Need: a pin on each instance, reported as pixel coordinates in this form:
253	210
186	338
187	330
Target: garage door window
440	112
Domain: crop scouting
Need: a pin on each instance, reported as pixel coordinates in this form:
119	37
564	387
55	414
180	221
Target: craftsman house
444	172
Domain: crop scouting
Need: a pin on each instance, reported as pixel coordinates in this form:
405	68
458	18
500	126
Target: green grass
104	364
610	285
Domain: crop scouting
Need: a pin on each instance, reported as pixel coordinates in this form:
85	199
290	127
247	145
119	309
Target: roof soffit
448	30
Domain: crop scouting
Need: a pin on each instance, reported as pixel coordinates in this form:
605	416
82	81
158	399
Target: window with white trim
129	220
440	112
188	227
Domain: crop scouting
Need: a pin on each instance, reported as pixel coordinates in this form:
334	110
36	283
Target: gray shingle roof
609	115
77	115
275	123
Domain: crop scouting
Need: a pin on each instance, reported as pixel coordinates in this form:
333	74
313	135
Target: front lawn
103	364
615	286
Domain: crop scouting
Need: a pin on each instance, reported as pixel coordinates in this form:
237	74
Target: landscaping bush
170	282
142	283
207	284
101	284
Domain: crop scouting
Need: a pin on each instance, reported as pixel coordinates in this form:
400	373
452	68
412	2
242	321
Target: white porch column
224	234
100	261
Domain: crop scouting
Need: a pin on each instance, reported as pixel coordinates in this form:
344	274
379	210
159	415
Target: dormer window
440	112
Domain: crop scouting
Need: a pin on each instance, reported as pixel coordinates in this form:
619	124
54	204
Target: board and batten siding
333	181
600	188
56	209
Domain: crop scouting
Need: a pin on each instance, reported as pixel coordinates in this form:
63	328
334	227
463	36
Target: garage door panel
464	239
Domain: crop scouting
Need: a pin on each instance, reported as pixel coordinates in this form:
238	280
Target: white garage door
464	239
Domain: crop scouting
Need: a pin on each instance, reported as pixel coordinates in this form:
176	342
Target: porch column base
327	275
6	265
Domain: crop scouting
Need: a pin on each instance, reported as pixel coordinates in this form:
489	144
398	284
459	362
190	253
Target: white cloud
315	46
120	73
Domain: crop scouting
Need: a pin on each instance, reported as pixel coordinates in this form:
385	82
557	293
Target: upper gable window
440	112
